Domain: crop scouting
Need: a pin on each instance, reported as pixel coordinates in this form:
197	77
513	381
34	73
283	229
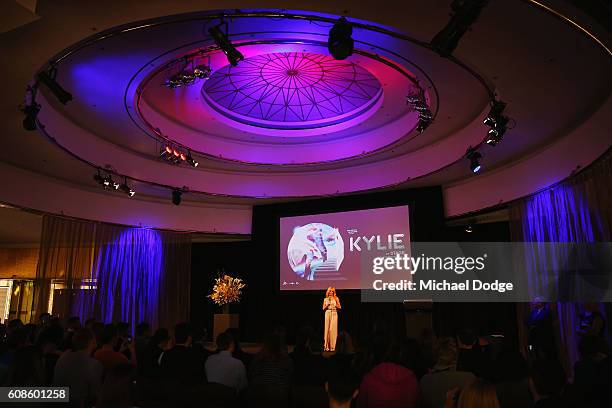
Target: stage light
48	78
469	228
106	181
464	14
497	108
419	104
126	189
202	71
498	123
222	40
176	196
191	160
340	42
474	157
31	113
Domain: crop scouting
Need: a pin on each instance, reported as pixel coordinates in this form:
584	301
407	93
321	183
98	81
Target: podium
224	321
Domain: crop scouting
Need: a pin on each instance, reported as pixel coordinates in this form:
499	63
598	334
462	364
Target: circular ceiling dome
292	90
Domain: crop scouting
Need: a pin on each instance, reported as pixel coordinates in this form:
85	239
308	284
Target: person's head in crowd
89	323
273	348
117	389
344	343
143	329
478	394
17	338
592	347
13	325
109	335
235	335
410	356
73	323
31	330
83	340
160	338
509	365
466	339
26	368
303	338
445	354
183	334
44	318
123	329
342	386
225	342
98	331
49	339
547	379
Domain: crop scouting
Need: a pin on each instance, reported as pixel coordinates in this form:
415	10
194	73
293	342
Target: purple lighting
292	90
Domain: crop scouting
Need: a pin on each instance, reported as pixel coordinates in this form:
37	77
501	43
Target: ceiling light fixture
419	103
177	196
125	188
340	42
474	157
497	121
222	40
463	14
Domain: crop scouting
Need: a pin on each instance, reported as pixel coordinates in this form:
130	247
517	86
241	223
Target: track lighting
48	78
106	181
191	160
175	155
340	42
464	14
126	189
419	104
222	40
176	196
497	122
474	157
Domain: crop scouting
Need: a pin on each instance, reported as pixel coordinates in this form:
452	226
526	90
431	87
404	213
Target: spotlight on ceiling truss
222	40
340	41
419	103
474	157
106	180
189	71
497	122
176	155
177	194
126	188
463	14
48	78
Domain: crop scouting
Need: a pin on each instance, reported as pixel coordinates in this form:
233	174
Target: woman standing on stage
331	304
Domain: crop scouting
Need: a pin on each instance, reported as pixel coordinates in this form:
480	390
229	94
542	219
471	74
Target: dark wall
264	306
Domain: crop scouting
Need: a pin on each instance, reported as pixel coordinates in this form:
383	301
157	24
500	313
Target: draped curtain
576	210
113	273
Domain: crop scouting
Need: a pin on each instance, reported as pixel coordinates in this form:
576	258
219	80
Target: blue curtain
577	210
113	273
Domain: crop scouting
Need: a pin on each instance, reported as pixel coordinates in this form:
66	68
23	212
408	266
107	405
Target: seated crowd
105	366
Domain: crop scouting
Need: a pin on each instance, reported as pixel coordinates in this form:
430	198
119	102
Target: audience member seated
48	343
308	367
444	376
72	325
342	386
272	365
107	354
470	354
26	369
389	384
592	377
478	394
117	389
510	373
182	364
78	370
223	368
546	383
143	334
239	353
149	366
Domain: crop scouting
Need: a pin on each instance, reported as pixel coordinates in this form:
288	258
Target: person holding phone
331	305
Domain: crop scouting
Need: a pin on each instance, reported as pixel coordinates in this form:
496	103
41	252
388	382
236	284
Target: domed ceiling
290	121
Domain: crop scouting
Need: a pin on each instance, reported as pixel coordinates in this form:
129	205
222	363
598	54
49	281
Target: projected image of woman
331	305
